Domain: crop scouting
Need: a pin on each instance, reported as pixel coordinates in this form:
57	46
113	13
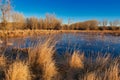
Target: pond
68	42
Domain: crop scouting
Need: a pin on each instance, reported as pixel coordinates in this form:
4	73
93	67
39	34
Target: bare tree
91	24
116	22
105	23
33	22
111	23
41	23
18	20
52	22
100	23
5	7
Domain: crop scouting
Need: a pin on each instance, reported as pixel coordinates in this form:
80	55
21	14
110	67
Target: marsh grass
75	65
43	64
76	60
2	66
42	58
25	33
18	71
2	61
110	73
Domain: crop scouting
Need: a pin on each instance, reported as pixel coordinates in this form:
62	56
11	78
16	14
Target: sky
75	10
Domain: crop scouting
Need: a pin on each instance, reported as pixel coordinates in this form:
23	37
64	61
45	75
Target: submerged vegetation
43	63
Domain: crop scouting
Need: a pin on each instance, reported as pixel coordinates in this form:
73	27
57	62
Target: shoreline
25	33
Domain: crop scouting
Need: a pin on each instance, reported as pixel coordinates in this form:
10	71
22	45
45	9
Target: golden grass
76	60
18	71
42	65
75	65
25	33
90	76
2	61
42	56
112	73
2	66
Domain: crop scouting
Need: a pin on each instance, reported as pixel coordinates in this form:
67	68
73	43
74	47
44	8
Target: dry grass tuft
112	73
75	65
2	66
43	64
18	71
76	60
2	62
46	61
90	76
42	56
49	71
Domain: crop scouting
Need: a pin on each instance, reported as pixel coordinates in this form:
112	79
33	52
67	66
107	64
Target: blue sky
77	10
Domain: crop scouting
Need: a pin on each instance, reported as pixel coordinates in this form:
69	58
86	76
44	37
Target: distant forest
12	20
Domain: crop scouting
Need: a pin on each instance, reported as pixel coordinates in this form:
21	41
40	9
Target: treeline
12	20
50	22
96	25
18	21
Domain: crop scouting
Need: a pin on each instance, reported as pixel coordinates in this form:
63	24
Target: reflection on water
87	43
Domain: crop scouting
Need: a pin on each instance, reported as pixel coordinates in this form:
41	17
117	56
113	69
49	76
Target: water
89	44
69	42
